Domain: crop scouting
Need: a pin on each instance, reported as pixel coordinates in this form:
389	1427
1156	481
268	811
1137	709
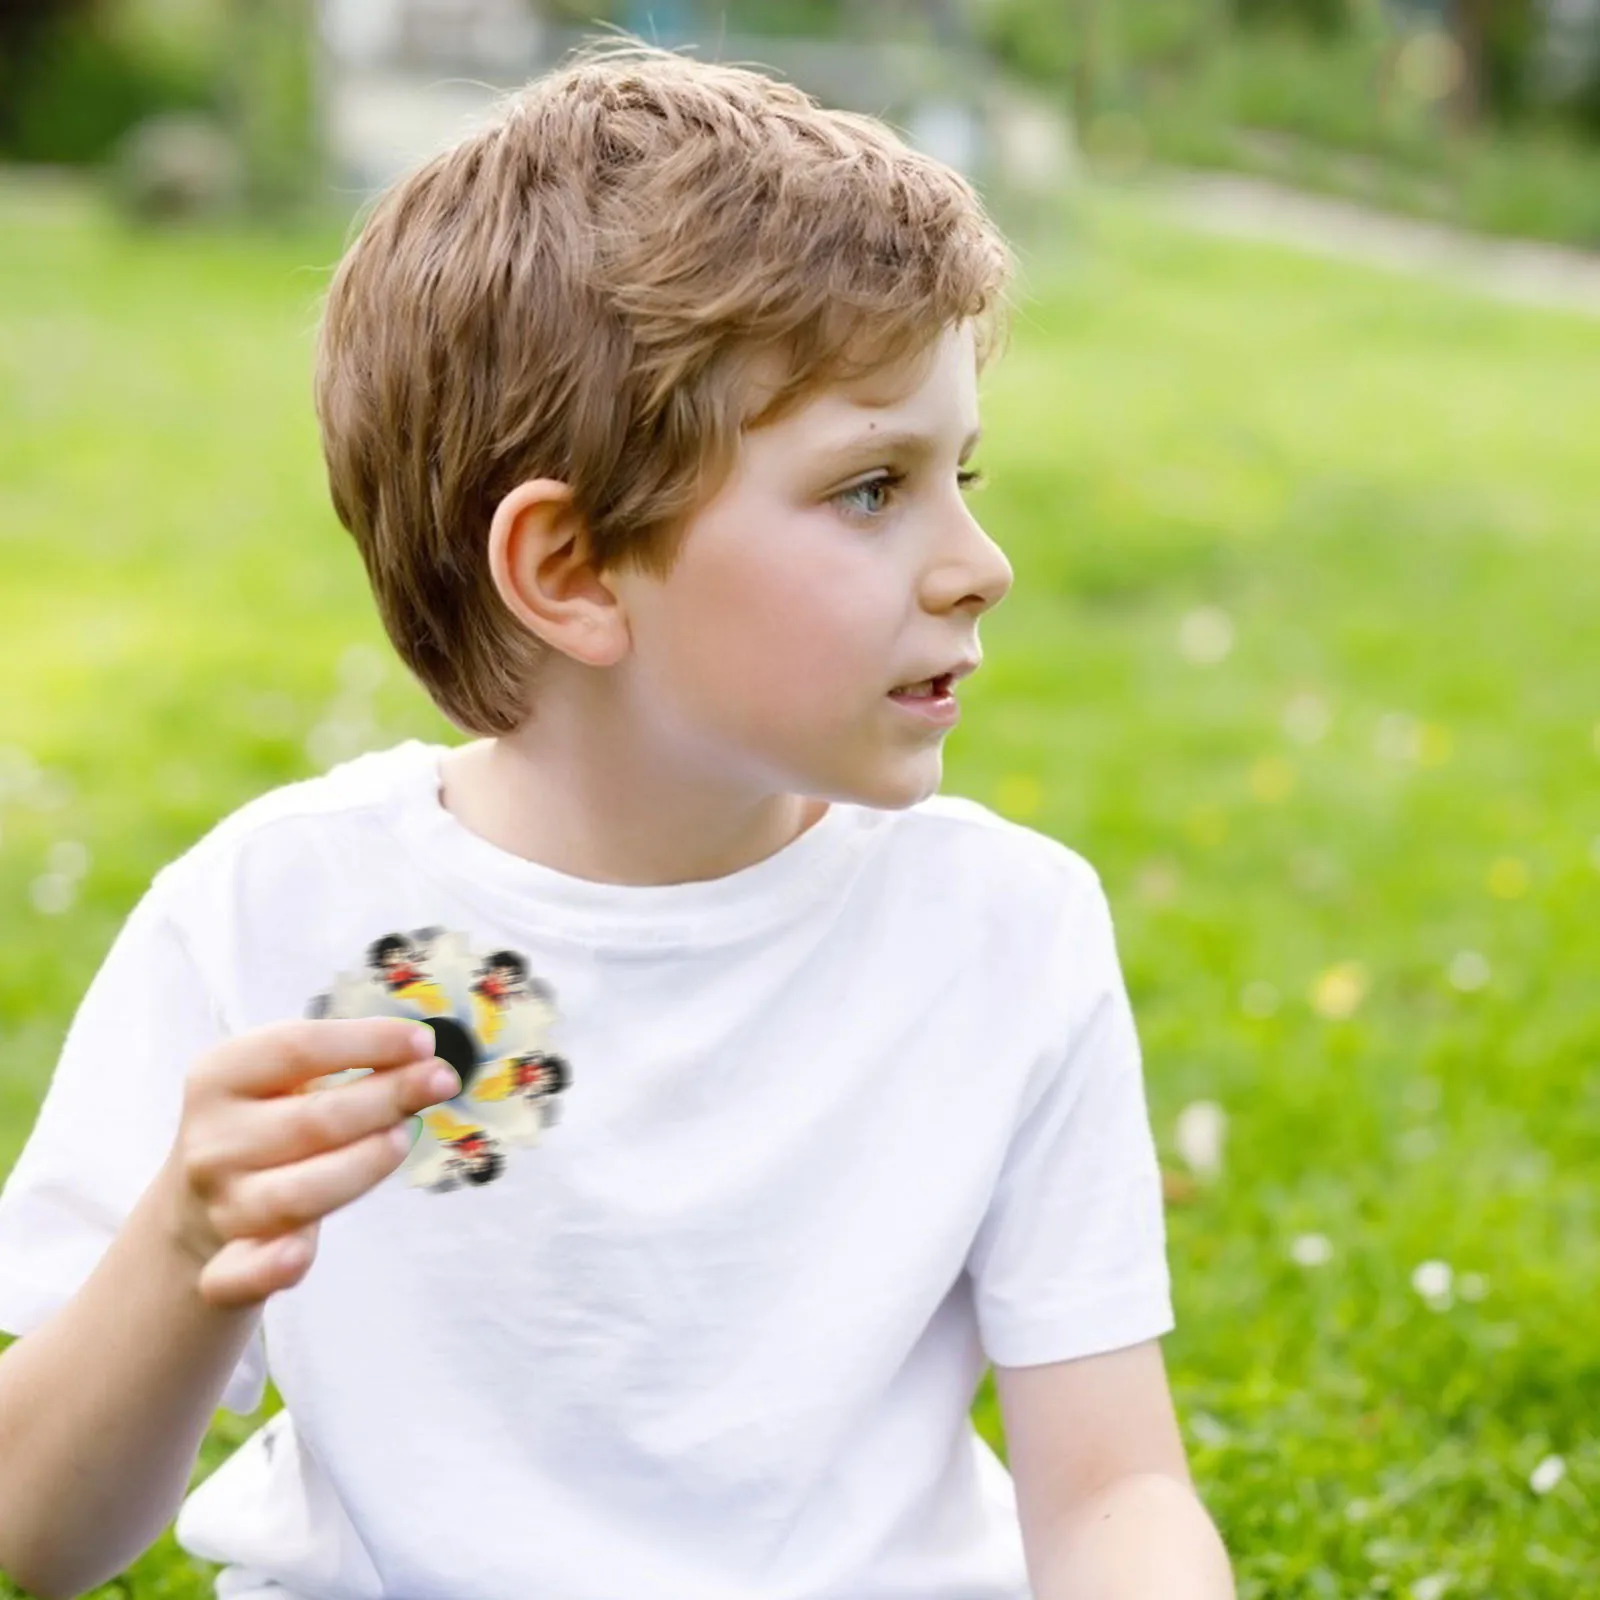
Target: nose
971	573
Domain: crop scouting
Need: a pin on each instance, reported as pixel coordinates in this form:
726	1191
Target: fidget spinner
490	1018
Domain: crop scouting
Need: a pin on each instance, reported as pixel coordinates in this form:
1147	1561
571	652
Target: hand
258	1162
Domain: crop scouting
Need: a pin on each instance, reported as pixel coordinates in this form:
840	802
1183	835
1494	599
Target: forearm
103	1408
1145	1537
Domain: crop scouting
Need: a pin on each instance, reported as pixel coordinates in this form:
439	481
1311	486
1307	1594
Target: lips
928	689
936	684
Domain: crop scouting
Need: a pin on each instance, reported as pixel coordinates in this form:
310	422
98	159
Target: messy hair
577	291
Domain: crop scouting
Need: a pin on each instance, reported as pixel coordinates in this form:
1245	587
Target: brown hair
576	290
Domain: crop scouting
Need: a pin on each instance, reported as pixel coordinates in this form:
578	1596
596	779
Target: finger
285	1055
245	1271
279	1199
253	1134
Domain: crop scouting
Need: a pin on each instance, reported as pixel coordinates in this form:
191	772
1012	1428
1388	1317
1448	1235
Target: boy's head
389	951
644	261
507	965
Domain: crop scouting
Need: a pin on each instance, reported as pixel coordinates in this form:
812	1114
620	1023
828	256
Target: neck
575	790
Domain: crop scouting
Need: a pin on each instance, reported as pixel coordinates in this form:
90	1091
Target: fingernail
423	1041
445	1082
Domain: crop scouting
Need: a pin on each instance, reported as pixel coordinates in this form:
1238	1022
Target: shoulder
313	813
1019	917
956	829
953	848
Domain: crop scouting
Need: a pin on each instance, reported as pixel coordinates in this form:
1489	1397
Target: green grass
1316	113
1382	491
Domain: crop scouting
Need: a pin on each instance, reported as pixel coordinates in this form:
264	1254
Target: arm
1107	1505
103	1408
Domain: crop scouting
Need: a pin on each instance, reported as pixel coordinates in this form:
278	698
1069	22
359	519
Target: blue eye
873	496
870	498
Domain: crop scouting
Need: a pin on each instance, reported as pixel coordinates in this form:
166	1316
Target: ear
539	558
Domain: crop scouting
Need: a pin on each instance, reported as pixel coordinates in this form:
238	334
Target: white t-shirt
840	1128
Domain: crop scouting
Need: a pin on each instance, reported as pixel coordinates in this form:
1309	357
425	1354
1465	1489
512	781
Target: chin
896	788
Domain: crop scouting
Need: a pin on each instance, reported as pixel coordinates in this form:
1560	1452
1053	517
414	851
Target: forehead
935	389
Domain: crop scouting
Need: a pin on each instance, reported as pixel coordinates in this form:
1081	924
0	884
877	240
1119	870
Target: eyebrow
895	441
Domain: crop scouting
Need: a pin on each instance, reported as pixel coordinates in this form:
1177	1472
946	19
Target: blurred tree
799	18
1319	16
790	18
1469	25
1584	95
1100	49
1085	19
1502	41
73	80
1090	46
1496	44
1116	54
24	22
272	102
29	31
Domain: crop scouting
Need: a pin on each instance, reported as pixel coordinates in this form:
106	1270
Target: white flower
1432	1279
53	791
1201	1129
19	772
68	859
1205	636
362	669
1417	1144
1431	1587
343	733
53	893
1306	718
1399	737
1158	882
1468	971
1547	1474
1312	1249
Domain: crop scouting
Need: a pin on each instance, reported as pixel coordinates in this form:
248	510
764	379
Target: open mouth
928	689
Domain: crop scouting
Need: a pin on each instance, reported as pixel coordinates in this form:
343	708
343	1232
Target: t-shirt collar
646	917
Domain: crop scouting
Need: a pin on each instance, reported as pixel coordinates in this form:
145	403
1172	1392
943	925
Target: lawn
1302	654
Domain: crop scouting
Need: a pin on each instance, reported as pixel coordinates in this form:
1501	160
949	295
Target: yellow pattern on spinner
486	1018
427	997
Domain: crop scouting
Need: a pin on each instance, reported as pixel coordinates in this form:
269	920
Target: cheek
795	624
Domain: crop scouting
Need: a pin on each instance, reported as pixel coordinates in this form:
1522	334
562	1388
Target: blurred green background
1482	112
1301	654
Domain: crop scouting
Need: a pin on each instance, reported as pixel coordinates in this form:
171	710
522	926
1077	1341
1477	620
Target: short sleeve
106	1124
1070	1257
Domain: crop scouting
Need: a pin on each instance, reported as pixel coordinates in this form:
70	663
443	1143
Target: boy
649	408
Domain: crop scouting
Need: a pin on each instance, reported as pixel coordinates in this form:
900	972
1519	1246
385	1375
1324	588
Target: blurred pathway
1536	274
